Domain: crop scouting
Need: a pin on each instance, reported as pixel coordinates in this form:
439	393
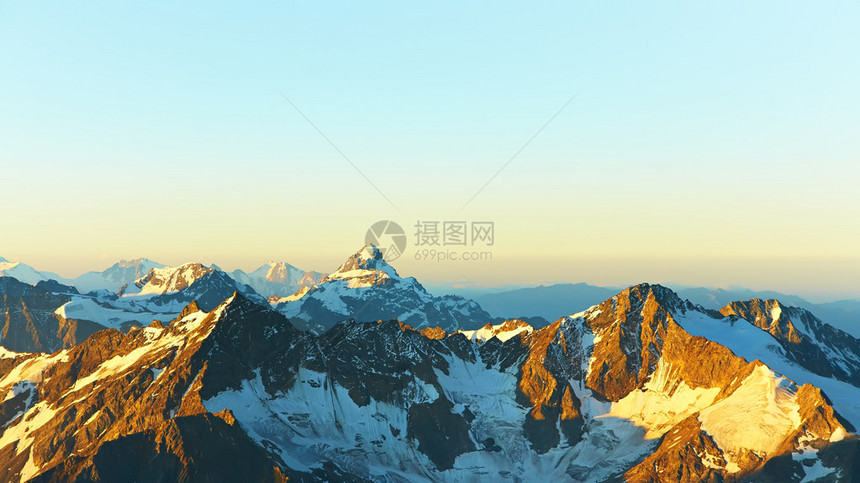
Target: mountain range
188	374
553	301
272	278
51	315
642	387
539	305
277	279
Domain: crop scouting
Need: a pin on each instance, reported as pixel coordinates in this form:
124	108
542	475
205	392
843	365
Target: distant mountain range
114	278
278	279
281	283
273	278
51	315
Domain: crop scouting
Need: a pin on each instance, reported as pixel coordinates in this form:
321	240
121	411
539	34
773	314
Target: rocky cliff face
29	319
51	316
806	340
625	390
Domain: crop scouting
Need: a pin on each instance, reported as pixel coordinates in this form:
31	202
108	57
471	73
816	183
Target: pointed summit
366	288
368	257
664	296
240	305
278	271
365	268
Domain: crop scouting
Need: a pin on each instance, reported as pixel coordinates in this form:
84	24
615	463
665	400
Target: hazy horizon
457	285
704	144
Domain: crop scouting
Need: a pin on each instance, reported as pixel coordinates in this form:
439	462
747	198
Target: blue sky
700	133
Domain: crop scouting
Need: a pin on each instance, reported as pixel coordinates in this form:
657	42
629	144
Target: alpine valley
144	372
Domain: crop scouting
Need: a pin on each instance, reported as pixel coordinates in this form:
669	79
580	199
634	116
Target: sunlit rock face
642	387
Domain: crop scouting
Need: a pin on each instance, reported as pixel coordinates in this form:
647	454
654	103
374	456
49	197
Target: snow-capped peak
23	272
278	271
138	262
7	265
503	332
171	279
365	268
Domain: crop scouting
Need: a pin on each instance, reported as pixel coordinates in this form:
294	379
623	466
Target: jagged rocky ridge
364	288
626	390
51	316
30	321
806	340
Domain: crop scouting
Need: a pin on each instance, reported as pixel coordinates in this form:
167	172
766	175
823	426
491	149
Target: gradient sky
709	143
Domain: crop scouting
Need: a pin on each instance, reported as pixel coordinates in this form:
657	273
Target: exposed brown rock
146	420
536	382
28	318
568	409
29	323
513	324
759	312
227	416
188	310
543	386
194	448
679	457
436	333
72	332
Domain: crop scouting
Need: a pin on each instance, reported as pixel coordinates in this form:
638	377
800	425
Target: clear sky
708	144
